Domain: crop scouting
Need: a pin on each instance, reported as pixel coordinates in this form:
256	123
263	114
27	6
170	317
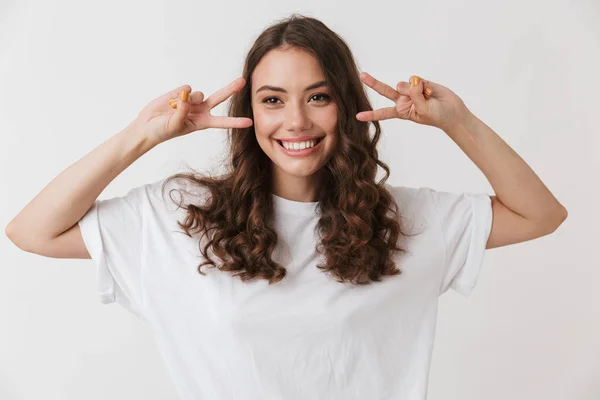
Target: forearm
514	182
67	198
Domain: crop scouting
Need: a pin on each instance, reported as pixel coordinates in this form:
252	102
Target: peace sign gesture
420	101
181	111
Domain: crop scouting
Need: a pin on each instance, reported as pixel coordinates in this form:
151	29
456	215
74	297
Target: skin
293	114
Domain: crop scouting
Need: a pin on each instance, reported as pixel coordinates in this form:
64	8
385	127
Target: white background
74	73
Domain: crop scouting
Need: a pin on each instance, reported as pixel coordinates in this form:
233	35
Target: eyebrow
278	89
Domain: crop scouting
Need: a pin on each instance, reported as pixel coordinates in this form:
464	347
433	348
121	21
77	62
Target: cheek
265	124
329	125
264	129
329	122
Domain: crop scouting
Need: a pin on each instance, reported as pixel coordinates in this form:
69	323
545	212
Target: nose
297	118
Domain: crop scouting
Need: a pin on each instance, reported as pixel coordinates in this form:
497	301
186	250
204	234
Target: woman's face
293	107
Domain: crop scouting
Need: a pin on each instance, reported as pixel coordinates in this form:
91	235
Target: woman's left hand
425	102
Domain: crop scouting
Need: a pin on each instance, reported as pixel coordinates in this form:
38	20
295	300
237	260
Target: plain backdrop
74	73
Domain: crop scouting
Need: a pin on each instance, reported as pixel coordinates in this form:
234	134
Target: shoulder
426	197
412	197
416	207
167	194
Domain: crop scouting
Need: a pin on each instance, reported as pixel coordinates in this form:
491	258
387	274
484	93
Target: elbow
25	241
11	233
555	220
562	216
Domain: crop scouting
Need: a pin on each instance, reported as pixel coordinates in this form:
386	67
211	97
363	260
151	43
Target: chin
299	172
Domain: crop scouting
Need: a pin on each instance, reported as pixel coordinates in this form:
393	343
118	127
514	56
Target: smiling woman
303	91
317	286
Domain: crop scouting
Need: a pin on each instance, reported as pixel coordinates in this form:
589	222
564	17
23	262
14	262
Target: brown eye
323	95
266	101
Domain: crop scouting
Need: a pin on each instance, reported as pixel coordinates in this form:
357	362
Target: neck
296	188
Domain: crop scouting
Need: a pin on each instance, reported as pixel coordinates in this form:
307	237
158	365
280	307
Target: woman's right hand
181	111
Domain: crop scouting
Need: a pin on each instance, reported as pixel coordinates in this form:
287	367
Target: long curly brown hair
359	222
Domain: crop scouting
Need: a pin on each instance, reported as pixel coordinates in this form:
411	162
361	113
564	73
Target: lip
299	138
299	153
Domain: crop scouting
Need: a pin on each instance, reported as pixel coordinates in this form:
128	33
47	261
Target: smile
299	149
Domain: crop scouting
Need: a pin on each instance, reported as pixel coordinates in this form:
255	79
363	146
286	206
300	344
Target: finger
379	87
196	97
401	109
173	97
174	94
435	87
230	122
377	115
404	88
223	94
428	91
427	88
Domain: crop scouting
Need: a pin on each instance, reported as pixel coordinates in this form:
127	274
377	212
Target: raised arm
62	203
48	224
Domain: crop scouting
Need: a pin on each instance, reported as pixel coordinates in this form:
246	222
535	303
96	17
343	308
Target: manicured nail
428	90
415	80
184	95
173	105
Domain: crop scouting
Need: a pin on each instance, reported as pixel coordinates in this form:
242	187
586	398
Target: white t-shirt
306	337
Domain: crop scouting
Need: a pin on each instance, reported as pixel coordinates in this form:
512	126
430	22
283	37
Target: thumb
416	92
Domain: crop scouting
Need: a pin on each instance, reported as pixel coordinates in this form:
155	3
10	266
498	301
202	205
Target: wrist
135	142
466	119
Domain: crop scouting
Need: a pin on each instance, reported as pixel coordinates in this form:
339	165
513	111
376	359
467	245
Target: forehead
289	68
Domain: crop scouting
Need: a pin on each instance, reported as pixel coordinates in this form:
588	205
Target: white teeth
299	145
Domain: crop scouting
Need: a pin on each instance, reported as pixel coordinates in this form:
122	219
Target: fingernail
183	95
428	90
415	80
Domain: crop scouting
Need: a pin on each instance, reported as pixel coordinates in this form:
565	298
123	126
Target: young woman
295	275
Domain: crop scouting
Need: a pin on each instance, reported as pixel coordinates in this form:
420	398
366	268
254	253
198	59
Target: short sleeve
113	231
466	222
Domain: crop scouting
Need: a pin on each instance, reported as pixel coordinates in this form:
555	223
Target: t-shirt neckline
294	207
